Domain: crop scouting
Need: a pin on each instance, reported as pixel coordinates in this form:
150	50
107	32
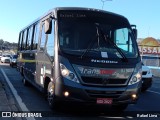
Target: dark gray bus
82	55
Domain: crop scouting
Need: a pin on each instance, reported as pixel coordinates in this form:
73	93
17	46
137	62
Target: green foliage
5	45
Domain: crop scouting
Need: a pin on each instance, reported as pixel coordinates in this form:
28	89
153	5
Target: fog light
134	96
66	93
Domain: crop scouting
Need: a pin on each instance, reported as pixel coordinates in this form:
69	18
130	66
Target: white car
0	55
13	60
146	78
5	59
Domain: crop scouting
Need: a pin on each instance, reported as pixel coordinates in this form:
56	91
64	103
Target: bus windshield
95	35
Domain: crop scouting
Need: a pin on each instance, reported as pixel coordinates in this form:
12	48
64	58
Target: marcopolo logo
103	61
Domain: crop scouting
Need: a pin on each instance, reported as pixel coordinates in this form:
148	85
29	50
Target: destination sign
72	15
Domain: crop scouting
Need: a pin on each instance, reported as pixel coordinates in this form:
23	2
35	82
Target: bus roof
54	11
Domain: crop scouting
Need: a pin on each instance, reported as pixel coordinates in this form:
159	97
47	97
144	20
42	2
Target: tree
1	41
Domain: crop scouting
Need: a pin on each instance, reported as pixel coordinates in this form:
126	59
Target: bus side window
50	42
20	40
43	38
30	30
35	38
24	40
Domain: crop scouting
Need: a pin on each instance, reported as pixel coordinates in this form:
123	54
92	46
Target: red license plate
104	101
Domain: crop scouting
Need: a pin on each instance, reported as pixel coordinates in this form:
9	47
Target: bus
81	55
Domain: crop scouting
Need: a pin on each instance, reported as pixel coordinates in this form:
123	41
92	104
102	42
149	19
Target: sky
16	14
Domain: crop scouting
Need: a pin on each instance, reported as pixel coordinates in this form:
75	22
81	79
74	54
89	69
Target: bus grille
103	81
104	94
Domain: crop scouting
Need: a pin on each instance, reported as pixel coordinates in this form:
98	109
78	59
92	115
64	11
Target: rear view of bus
96	59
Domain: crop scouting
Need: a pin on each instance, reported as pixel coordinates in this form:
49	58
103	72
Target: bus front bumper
76	92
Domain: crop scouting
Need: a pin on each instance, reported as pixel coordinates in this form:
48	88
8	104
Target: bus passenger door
40	57
45	55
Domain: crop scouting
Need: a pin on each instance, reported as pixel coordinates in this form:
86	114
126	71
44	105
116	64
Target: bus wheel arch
46	83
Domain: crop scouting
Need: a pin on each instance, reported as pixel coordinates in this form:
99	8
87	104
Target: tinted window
24	39
98	35
43	38
50	42
36	35
30	30
20	41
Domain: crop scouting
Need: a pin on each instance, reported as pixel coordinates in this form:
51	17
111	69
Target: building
150	52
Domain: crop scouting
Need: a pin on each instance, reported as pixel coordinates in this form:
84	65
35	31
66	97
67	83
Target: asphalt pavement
7	101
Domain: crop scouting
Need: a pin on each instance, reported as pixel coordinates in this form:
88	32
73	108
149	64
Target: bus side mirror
135	33
48	26
134	30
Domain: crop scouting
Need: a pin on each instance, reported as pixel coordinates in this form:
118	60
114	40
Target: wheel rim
50	96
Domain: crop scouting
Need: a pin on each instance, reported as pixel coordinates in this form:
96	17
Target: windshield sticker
103	61
104	54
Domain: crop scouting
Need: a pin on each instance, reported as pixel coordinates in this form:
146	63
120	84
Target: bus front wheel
51	97
25	82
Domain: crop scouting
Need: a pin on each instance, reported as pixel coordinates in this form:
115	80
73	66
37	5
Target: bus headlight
137	75
64	72
68	74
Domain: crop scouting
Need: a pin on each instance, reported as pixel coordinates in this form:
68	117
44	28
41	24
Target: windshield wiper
124	58
91	44
99	30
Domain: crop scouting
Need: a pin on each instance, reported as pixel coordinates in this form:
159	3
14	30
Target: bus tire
25	82
21	71
51	97
144	89
47	81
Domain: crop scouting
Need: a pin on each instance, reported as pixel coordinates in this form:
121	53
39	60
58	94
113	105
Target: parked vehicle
146	78
0	55
5	59
13	60
83	55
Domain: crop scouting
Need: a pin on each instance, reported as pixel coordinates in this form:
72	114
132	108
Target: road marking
17	97
153	92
